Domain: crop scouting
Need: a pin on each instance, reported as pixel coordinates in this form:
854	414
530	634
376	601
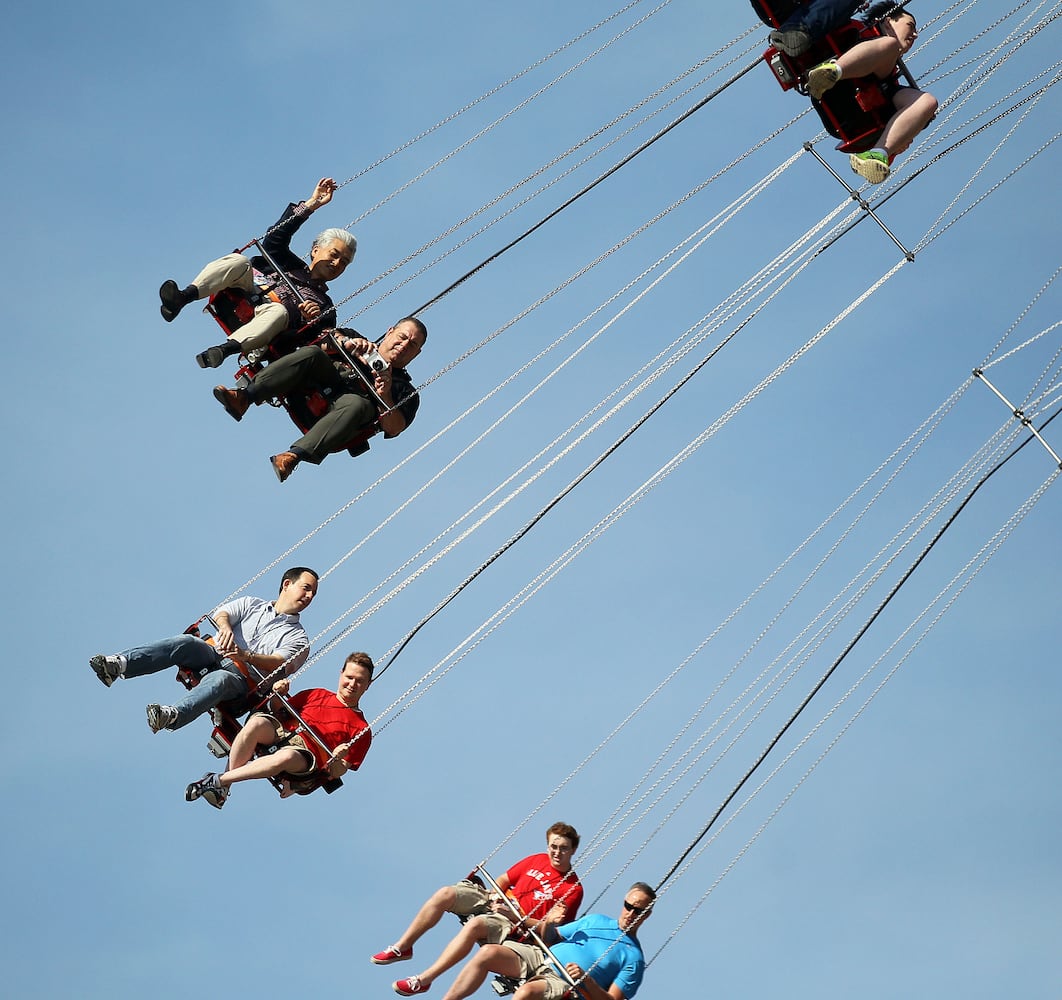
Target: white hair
337	234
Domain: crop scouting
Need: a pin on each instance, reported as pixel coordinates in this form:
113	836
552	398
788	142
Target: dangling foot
235	401
822	78
873	165
284	464
160	717
392	954
793	42
214	357
208	788
410	987
108	668
174	299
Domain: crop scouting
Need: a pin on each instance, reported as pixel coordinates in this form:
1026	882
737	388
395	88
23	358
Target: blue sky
919	858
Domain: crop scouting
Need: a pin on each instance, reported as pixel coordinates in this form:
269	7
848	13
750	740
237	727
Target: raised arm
322	194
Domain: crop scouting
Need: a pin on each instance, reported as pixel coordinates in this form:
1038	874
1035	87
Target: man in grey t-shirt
251	633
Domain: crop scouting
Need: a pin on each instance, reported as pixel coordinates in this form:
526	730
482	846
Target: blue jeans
222	682
821	16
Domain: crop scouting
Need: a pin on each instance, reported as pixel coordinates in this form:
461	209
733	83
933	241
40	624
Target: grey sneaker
108	668
209	788
822	78
794	42
160	717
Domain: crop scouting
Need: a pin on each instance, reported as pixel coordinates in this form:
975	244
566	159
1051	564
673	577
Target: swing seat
232	308
225	717
852	111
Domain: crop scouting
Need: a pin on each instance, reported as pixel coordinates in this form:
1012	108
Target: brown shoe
235	401
284	464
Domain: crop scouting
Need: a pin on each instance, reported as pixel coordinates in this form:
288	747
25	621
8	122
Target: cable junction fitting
1019	415
859	200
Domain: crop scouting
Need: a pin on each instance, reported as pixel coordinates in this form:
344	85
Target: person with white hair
283	302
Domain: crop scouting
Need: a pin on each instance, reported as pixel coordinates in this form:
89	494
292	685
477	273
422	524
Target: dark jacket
277	244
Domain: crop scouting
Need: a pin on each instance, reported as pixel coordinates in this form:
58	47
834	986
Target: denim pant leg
822	16
177	651
222	684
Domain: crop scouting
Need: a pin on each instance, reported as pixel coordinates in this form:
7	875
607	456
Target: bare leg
490	958
258	732
533	989
875	57
460	947
914	111
443	901
288	759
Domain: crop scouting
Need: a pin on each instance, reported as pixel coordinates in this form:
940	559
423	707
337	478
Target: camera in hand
372	360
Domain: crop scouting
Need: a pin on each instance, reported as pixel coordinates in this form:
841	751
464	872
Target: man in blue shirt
599	953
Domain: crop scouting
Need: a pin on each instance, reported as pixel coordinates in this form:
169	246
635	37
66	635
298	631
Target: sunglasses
636	910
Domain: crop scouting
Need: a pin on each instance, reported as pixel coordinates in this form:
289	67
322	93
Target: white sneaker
108	668
160	717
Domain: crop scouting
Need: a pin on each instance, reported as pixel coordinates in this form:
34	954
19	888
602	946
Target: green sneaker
873	165
822	78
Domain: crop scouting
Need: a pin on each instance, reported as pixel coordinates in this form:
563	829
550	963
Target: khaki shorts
284	738
535	965
473	901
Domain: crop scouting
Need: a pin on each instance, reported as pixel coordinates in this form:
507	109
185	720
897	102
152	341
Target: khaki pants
234	271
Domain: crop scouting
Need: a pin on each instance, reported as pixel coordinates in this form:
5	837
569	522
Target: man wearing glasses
543	887
601	954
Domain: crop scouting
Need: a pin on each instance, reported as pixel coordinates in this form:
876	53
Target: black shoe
208	788
173	299
214	357
793	42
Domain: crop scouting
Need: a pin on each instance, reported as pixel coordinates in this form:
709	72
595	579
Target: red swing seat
853	111
225	717
232	308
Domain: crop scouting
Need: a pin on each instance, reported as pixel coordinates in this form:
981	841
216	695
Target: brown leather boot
284	464
235	401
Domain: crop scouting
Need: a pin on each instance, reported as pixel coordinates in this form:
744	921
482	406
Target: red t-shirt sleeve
572	898
356	754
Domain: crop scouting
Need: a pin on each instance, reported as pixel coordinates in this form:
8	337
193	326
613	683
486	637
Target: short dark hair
564	830
891	10
362	660
421	328
295	572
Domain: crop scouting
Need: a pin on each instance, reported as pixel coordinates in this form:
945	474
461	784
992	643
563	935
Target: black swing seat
226	726
504	985
852	111
232	308
226	720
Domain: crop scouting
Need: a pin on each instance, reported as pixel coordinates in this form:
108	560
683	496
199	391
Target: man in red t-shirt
335	718
544	888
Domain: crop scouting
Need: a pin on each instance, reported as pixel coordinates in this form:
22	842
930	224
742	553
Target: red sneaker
392	954
410	987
